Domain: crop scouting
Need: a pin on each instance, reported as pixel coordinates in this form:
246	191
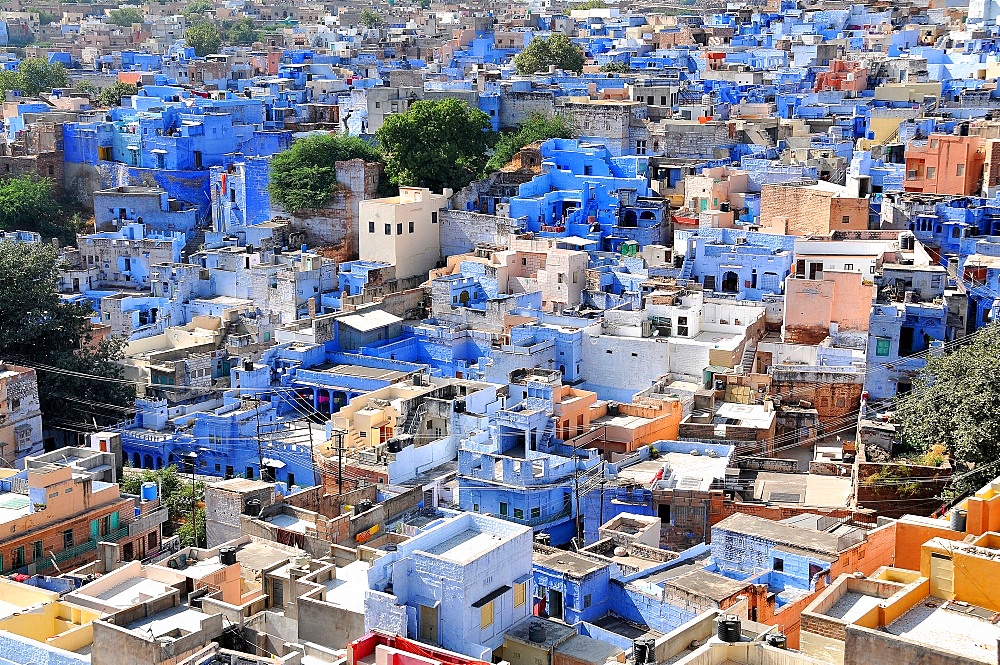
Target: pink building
946	164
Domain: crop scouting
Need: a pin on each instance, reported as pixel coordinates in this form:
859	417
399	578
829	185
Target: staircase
687	268
547	435
749	354
413	420
193	245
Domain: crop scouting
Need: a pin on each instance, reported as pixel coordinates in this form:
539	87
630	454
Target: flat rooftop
959	632
133	591
852	606
348	588
290	523
693	472
465	546
570	563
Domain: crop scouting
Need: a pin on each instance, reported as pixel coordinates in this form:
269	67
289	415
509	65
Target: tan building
402	230
810	208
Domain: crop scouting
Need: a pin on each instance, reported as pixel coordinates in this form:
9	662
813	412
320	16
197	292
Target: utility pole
576	491
340	463
260	450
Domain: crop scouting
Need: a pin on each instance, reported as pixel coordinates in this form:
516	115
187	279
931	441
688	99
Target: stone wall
461	231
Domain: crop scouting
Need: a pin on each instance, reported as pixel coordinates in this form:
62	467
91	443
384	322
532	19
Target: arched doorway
136	462
147	462
730	282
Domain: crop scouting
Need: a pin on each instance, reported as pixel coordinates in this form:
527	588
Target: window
520	590
536	512
388	229
848	266
960	170
934	143
846	219
779	565
640	147
931	170
486	615
410	225
36	550
399	229
17	557
434	217
882	346
67	538
475	507
503	509
371	227
586	601
518	513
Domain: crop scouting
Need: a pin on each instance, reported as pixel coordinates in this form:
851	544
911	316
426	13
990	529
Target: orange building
843	75
53	515
624	428
945	164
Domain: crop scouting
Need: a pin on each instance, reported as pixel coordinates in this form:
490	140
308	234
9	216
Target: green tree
436	144
34	76
45	17
204	38
112	95
178	494
305	176
536	128
79	382
556	50
590	4
126	17
369	18
197	7
615	68
242	32
29	203
955	402
87	88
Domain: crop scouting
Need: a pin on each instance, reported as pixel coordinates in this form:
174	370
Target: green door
95	529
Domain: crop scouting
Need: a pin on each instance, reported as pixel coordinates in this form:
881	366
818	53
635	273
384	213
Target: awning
493	595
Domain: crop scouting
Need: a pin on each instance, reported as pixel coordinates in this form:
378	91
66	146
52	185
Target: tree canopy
196	7
556	50
536	128
955	402
34	76
305	176
615	68
435	144
369	18
46	17
590	4
39	330
112	95
28	203
204	38
126	17
178	494
242	31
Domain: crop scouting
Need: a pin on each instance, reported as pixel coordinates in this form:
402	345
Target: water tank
778	640
227	556
149	492
643	651
958	518
252	507
729	629
363	506
536	632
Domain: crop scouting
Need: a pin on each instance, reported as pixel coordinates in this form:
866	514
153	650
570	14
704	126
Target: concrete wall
864	646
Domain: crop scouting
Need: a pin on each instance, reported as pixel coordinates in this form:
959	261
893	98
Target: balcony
147	522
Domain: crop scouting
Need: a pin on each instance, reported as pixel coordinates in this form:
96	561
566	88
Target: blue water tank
149	491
